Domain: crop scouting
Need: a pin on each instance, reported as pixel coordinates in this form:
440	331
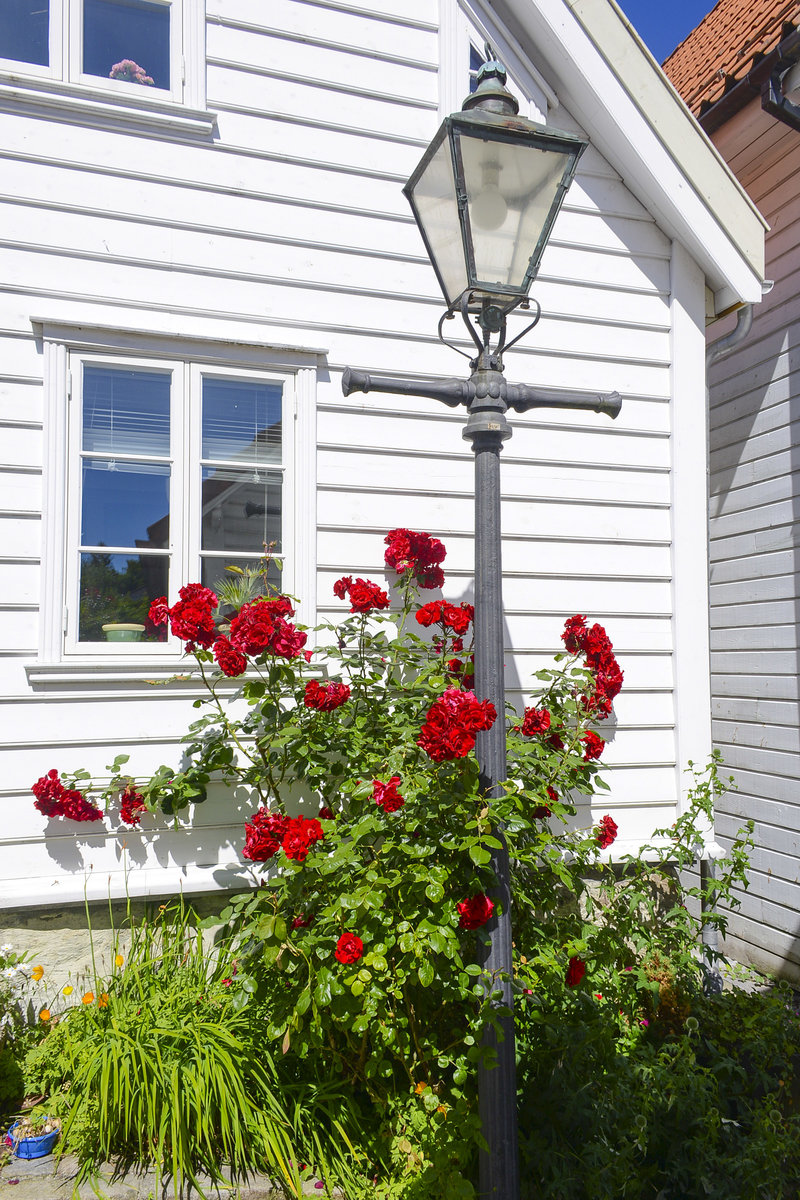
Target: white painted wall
283	235
755	620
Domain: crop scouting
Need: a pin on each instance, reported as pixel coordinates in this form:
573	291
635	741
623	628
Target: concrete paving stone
49	1179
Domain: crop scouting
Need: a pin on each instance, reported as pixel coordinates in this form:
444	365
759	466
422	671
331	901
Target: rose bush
357	949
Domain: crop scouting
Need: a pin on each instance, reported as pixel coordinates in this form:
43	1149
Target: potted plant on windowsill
123	631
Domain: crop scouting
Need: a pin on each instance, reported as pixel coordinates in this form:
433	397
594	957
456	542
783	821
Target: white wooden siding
288	227
755	606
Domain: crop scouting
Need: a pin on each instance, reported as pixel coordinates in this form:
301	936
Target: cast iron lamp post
485	197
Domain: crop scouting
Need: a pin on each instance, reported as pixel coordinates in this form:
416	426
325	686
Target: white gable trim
613	87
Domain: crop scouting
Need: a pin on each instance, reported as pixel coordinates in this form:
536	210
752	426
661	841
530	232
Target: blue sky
663	26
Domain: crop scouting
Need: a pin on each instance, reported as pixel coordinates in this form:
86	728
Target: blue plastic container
32	1147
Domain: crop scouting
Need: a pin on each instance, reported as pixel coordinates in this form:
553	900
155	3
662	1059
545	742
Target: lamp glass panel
437	211
510	188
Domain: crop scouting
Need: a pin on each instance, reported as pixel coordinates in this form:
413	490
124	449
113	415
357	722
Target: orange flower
103	1001
44	1015
88	998
420	1088
37	973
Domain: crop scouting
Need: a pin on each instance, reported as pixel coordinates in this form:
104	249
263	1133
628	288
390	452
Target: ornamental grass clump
358	946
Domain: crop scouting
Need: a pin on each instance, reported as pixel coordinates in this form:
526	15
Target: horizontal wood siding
755	604
288	227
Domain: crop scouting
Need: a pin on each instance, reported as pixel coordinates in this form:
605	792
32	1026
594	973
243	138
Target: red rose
326	814
263	834
229	660
574	634
452	722
387	795
458	617
349	948
430	613
260	627
325	697
474	911
417	554
606	832
300	834
365	596
54	800
303	921
159	611
535	720
593	746
132	806
575	971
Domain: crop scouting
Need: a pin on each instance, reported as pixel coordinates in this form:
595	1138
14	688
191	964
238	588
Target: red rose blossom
474	911
55	800
132	806
575	971
452	722
593	745
349	948
417	554
364	595
300	834
261	628
325	697
326	814
535	720
606	832
387	795
229	660
263	834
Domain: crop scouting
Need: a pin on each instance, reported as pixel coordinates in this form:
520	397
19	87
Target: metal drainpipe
712	850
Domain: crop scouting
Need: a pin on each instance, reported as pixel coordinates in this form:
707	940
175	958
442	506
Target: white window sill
52	97
108	669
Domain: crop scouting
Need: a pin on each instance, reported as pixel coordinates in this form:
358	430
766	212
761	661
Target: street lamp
485	196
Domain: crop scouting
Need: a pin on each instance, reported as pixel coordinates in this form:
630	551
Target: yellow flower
119	960
44	1014
88	998
37	973
103	1001
67	991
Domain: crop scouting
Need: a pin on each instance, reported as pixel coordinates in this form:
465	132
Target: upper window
132	46
179	472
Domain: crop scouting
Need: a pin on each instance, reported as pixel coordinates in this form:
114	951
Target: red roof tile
726	45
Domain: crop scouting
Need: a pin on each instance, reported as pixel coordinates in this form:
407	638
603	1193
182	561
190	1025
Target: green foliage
350	1034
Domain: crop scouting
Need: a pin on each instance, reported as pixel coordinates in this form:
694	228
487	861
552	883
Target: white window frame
189	360
66	76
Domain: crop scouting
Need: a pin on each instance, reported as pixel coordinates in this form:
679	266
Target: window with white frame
176	471
126	47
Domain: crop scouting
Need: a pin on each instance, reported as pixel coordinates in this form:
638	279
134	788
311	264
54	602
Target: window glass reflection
127	40
25	31
125	504
124	411
117	589
241	509
241	420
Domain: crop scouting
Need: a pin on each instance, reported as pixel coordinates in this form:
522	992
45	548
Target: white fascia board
613	87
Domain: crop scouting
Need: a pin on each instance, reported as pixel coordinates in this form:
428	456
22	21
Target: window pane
127	39
25	30
241	509
125	504
118	589
125	412
215	576
241	420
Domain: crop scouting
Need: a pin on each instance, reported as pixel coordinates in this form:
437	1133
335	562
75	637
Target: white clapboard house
186	267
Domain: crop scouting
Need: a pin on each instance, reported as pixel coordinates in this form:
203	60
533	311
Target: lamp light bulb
489	209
